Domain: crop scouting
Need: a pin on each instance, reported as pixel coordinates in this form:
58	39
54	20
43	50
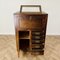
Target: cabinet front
30	21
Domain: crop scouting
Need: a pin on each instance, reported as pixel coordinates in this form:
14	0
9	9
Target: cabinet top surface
30	13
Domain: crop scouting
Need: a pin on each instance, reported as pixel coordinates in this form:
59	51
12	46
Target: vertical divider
30	41
17	42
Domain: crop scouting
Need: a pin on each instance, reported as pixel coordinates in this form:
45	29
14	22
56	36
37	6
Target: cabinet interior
23	34
24	40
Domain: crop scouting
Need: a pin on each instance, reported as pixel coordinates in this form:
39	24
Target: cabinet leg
18	53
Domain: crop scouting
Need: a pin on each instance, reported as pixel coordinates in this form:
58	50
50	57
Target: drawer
41	52
38	41
36	33
37	46
36	37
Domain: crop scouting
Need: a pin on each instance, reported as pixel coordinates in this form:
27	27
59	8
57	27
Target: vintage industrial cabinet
30	28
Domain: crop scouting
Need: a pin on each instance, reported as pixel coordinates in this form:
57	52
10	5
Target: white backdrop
8	7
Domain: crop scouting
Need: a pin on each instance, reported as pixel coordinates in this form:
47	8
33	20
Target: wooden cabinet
30	28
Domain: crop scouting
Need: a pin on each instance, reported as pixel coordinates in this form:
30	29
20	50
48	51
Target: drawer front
41	37
36	37
36	33
28	21
41	52
38	41
37	46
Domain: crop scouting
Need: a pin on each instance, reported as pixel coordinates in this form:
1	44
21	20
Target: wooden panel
30	22
36	24
44	22
16	21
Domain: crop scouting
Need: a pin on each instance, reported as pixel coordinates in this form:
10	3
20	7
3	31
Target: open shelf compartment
24	35
24	45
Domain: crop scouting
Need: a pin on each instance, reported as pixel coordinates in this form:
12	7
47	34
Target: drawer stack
37	42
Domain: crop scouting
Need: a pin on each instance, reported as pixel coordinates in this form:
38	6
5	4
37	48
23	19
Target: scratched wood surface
8	49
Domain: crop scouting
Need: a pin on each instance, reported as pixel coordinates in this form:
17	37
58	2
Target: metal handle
30	6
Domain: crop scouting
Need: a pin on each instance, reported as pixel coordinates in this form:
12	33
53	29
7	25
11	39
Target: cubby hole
24	45
23	34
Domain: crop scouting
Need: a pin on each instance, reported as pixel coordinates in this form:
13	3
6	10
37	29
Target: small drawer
38	41
37	47
36	37
36	33
41	52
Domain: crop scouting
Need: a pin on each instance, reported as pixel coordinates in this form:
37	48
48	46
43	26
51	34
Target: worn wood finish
36	24
29	21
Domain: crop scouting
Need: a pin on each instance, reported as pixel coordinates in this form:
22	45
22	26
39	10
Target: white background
8	7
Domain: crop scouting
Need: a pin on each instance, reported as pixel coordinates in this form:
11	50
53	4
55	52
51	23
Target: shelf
24	45
24	35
